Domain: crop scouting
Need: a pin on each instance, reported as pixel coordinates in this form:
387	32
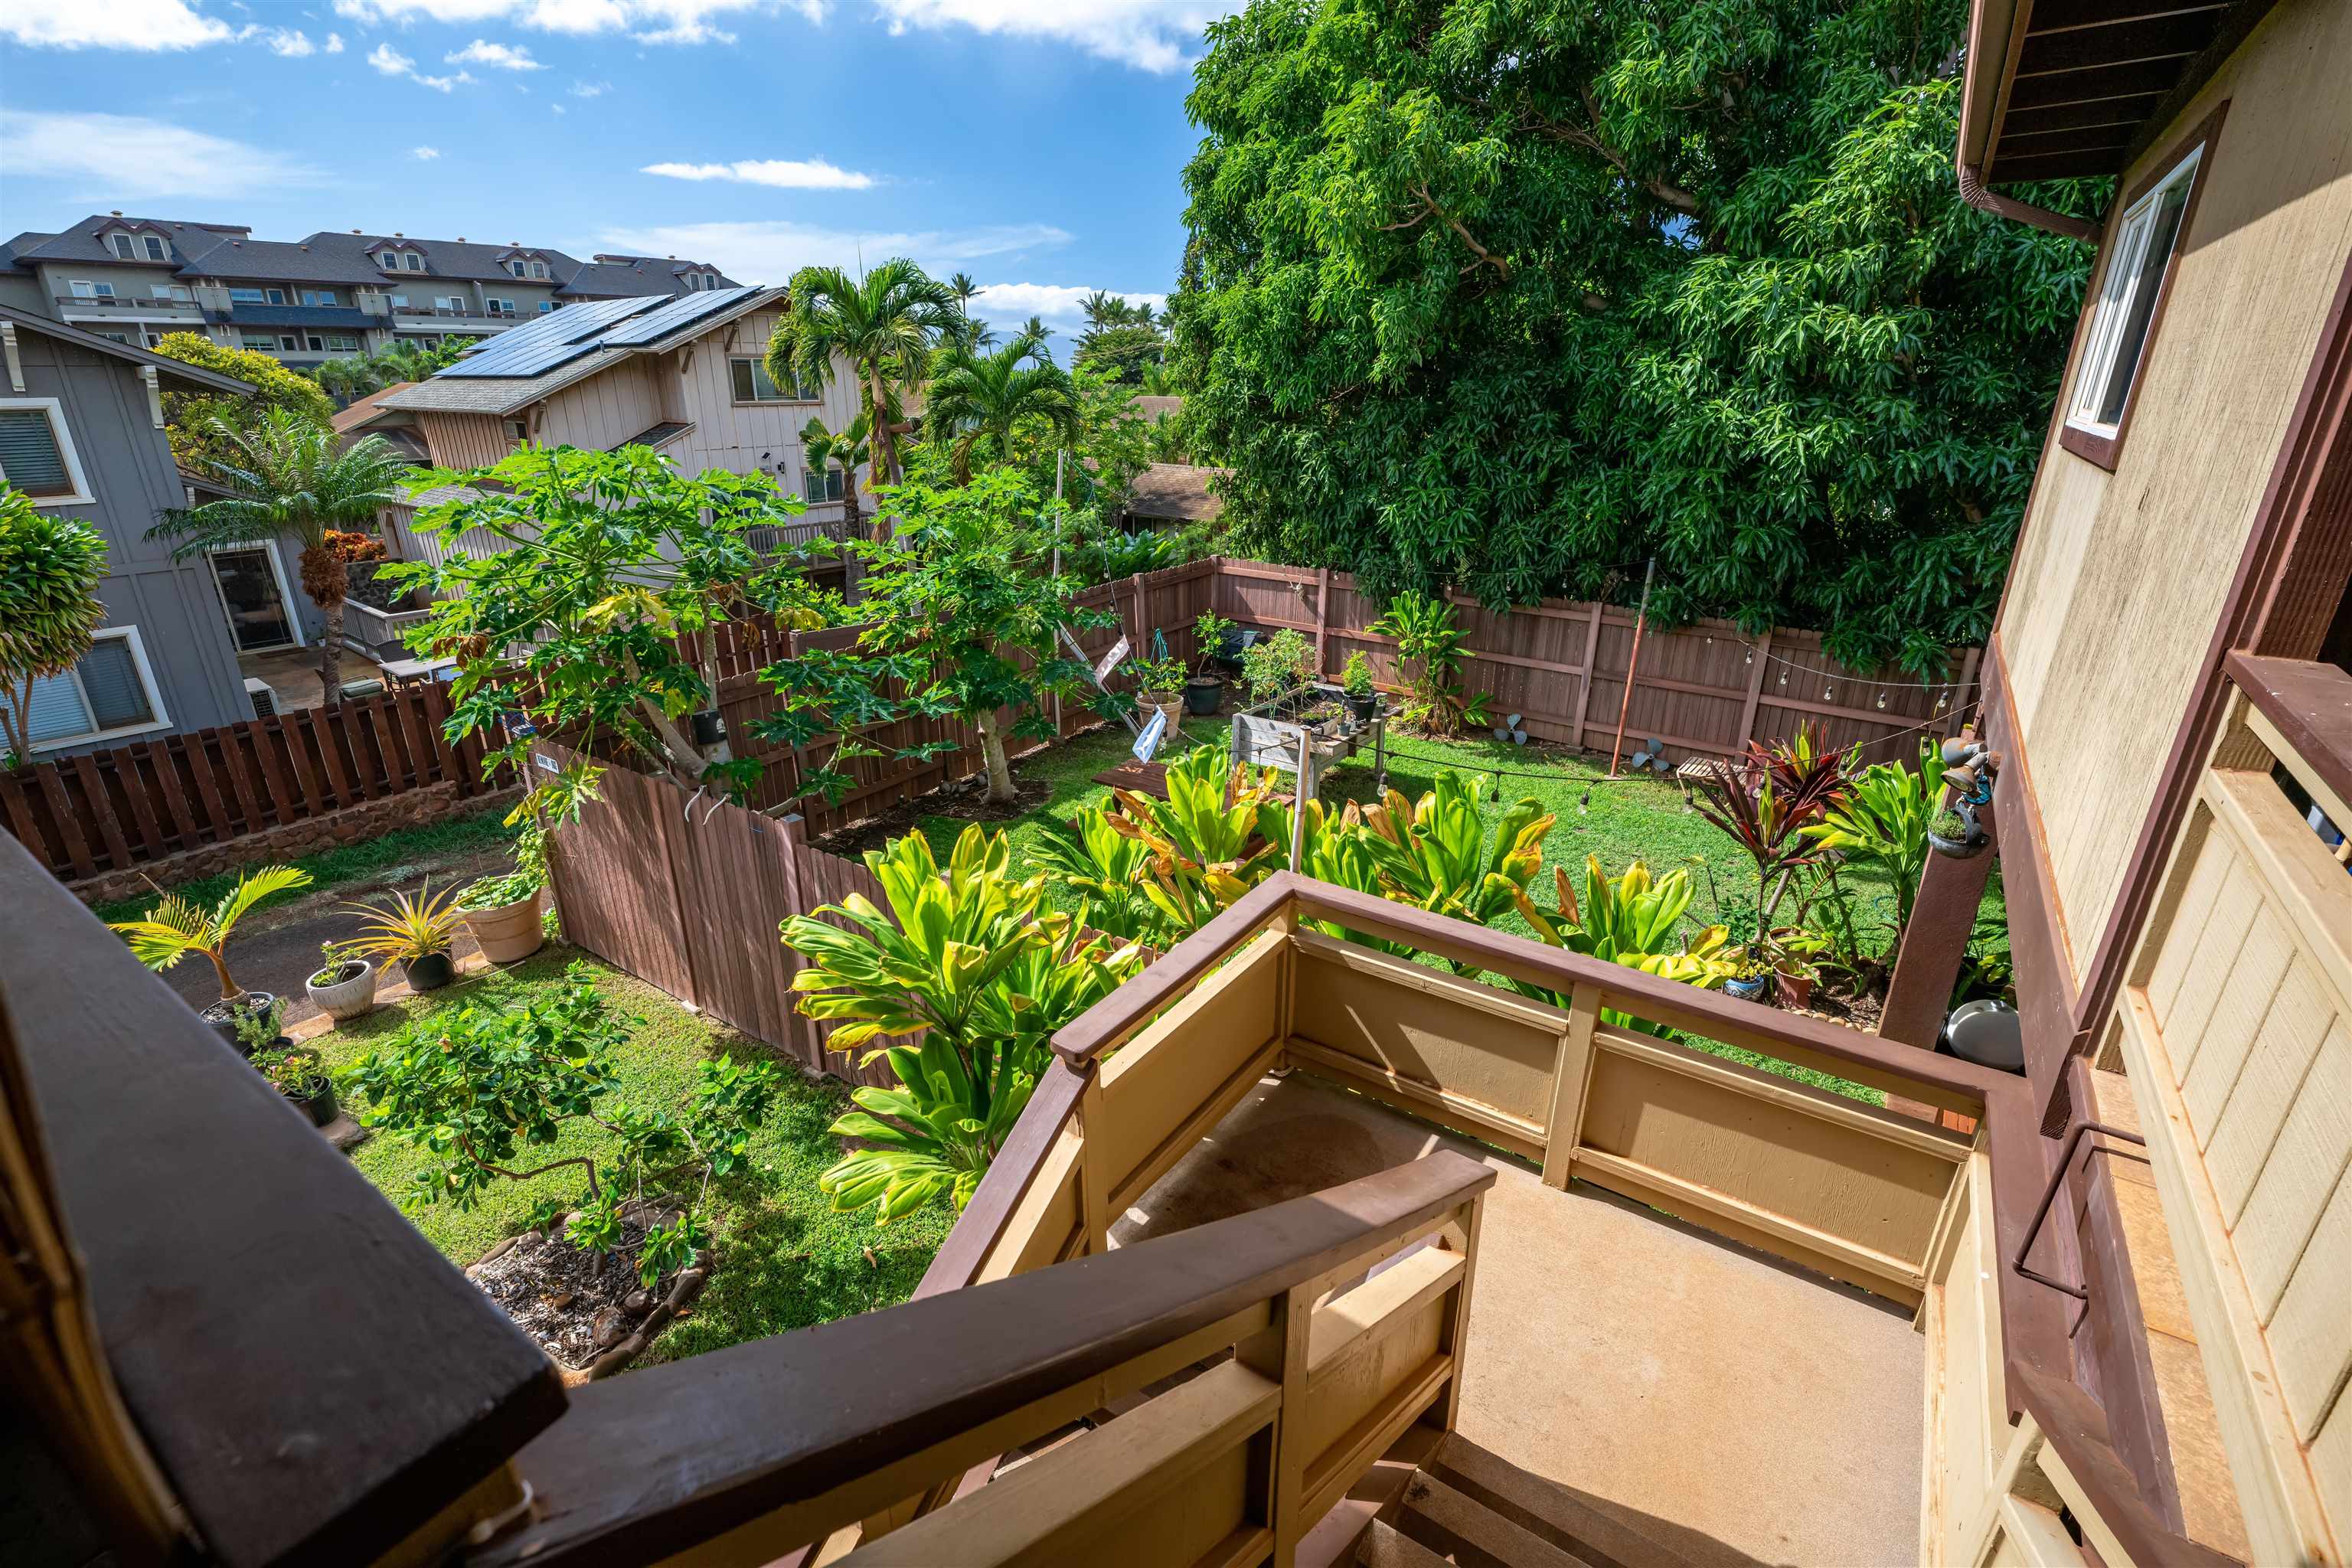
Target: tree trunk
1000	770
230	989
852	524
886	452
330	656
328	584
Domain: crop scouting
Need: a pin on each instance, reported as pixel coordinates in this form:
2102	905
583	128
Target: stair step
1384	1546
1544	1509
1458	1528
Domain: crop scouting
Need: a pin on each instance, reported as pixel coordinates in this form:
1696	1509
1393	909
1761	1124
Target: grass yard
1635	817
788	1259
399	855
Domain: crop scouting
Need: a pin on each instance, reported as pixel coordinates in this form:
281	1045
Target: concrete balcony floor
1732	1408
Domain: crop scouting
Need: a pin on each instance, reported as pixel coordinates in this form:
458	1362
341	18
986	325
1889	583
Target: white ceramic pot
347	998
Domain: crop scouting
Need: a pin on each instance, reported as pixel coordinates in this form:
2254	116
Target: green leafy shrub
1275	666
1356	676
1882	819
50	568
1431	648
481	1086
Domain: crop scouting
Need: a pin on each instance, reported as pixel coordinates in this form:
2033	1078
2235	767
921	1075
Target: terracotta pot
1171	703
508	932
1794	990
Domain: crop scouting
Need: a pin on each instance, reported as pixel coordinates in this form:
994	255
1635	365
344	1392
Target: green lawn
1634	817
395	856
788	1260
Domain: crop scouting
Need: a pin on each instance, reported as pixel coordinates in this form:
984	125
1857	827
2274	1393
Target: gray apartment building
330	296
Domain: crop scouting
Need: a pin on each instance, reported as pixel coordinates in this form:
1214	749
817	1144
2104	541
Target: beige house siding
604	410
732	435
2101	651
463	440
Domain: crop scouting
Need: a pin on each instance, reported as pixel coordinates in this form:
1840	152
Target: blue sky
1037	144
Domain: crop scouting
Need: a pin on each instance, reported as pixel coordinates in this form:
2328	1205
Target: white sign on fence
1110	661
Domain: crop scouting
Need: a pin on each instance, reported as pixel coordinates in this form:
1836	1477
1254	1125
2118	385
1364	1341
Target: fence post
791	835
1754	692
1953	725
1584	695
1322	621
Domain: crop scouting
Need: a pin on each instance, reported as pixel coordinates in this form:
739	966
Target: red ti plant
1765	801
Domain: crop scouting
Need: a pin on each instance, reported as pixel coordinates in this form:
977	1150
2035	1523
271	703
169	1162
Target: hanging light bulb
1750	659
1942	699
1825	694
1881	702
1784	678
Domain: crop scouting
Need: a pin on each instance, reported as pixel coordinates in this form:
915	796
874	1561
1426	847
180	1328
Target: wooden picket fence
113	810
687	894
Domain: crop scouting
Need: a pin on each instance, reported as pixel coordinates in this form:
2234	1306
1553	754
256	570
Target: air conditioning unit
264	700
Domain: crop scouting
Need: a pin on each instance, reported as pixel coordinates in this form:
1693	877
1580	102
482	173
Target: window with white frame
454	302
413	262
177	292
289	343
36	452
387	260
246	297
121	244
156	250
109	691
754	384
539	270
498	307
820	486
259	342
319	297
545	306
398	301
2128	291
343	343
83	289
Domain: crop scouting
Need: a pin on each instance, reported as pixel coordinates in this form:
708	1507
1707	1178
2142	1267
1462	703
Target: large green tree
195	421
50	568
1513	295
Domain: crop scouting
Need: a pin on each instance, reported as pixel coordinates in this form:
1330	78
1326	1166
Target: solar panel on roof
547	342
675	315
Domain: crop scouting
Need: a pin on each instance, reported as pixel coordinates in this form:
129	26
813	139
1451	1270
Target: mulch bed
587	1311
966	800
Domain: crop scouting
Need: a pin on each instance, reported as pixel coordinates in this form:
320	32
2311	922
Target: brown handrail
645	1465
2310	704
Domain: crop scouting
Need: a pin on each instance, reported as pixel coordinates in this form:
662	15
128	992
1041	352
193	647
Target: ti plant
1632	919
1765	801
1431	648
175	927
1216	836
966	977
1090	855
1881	818
1436	854
476	1089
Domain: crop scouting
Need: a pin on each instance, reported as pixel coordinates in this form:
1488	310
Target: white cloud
1150	34
557	107
650	21
130	156
481	52
426	154
1008	304
445	83
390	61
334	45
688	33
813	175
293	43
772	252
590	88
147	24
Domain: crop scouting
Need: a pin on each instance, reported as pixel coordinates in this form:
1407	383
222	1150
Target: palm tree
846	447
882	323
974	394
963	288
290	476
1101	308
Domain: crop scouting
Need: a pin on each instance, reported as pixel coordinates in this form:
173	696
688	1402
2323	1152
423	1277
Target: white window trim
163	720
268	548
2117	289
146	240
97	289
411	261
81	495
117	251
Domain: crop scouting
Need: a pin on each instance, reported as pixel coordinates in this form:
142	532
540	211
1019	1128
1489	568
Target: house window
156	250
122	246
518	433
545	306
386	260
753	385
414	262
817	487
398	301
36	452
454	302
319	297
2131	289
84	289
539	270
343	343
123	338
109	691
259	342
176	291
498	307
289	343
246	297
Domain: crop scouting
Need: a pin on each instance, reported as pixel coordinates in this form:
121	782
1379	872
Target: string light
1784	678
1881	702
1827	694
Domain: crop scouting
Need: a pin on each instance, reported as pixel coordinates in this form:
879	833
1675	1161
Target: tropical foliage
966	958
1431	647
1121	341
177	928
50	568
1767	802
290	476
979	396
1634	920
1511	295
1881	818
960	622
847	449
194	420
477	1087
882	324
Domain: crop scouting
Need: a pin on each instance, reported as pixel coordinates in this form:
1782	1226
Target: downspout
1974	191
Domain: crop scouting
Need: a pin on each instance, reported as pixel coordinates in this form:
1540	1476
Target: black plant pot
430	972
320	1103
1362	709
222	1016
1974	840
1203	696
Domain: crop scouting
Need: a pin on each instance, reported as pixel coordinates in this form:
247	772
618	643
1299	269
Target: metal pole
1298	802
1633	663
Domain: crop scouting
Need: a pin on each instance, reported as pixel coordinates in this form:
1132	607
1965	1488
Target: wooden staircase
1463	1506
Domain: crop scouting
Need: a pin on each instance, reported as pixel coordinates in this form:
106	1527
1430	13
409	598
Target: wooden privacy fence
1561	665
112	810
686	892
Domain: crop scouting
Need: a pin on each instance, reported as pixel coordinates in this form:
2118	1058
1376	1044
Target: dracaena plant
1106	867
475	1089
1765	801
1881	818
1438	854
176	928
966	978
1634	920
1216	836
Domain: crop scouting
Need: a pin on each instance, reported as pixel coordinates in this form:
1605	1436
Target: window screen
110	680
2134	282
29	458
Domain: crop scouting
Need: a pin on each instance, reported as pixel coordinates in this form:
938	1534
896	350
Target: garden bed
789	1261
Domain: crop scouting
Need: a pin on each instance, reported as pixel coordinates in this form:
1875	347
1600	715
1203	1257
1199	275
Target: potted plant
1793	982
1206	692
342	986
1356	680
502	911
415	933
1159	683
297	1073
1748	981
261	1030
176	927
1955	832
1276	669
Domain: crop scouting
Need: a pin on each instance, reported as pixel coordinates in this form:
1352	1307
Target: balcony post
1943	918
